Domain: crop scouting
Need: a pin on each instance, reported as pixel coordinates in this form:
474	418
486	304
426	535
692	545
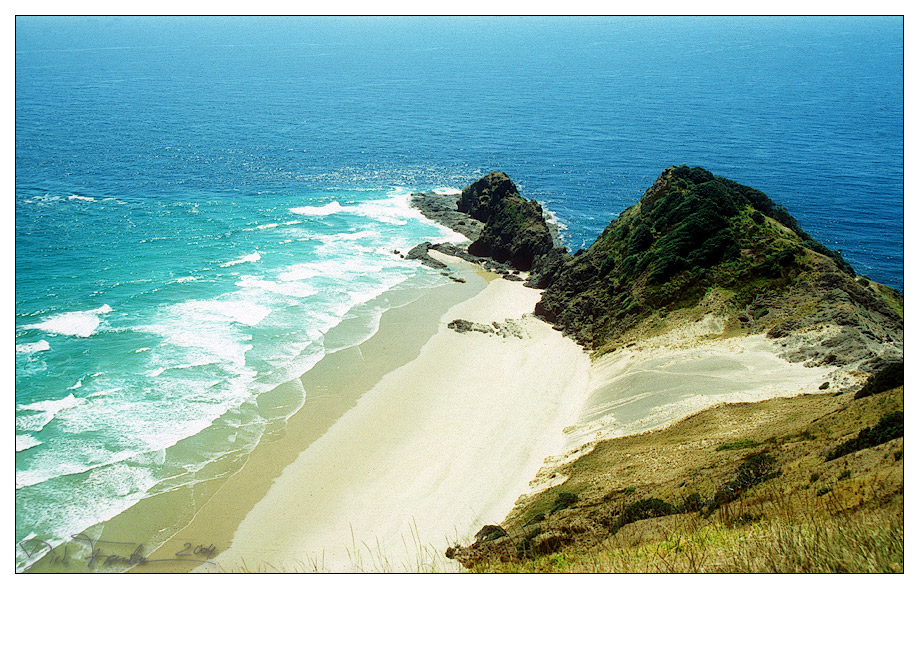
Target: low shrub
564	500
888	428
641	510
693	503
740	444
525	544
887	378
752	471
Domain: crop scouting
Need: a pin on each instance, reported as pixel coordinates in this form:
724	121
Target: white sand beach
447	442
438	448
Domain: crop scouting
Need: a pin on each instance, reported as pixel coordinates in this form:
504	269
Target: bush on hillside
890	427
887	378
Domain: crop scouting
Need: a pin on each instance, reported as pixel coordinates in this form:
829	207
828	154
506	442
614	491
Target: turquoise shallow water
172	329
199	200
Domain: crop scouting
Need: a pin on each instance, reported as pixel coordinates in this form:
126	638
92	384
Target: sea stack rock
515	229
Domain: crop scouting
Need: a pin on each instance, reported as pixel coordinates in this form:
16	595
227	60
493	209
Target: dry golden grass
815	516
809	542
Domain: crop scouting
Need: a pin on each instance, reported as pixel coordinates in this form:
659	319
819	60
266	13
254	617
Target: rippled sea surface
198	200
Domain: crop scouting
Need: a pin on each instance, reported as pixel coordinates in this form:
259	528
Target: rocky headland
693	238
507	233
699	265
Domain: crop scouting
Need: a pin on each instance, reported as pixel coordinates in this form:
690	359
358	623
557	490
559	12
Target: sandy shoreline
207	512
413	440
439	447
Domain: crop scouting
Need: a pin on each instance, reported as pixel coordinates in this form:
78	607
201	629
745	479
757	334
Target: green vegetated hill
693	233
515	230
812	483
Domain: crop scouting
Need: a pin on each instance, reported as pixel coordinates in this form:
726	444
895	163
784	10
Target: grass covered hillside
812	483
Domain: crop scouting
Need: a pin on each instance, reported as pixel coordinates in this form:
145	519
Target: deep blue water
199	199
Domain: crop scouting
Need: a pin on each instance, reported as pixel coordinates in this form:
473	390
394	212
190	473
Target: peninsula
744	383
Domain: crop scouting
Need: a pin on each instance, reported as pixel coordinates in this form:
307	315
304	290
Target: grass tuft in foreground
858	543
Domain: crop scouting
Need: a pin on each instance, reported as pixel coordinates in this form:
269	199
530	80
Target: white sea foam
239	311
77	197
66	466
299	272
267	226
24	442
446	191
394	210
292	289
44	411
81	324
255	256
181	366
346	236
104	393
204	344
51	405
340	269
182	280
31	348
552	218
323	210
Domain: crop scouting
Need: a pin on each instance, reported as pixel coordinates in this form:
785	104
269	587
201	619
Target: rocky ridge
695	236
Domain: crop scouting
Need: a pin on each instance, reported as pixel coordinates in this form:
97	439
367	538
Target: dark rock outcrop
490	533
420	252
508	233
465	326
442	209
547	267
508	329
515	229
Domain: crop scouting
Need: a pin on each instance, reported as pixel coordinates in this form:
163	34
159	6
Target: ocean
200	201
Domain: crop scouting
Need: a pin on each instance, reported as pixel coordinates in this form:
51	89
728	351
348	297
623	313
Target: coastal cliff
703	277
